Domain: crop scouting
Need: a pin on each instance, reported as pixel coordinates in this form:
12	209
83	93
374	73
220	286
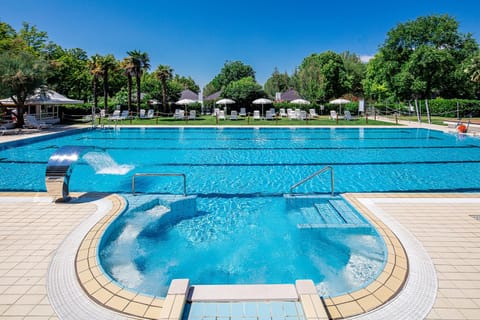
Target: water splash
102	163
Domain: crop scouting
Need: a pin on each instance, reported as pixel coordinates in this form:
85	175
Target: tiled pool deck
32	228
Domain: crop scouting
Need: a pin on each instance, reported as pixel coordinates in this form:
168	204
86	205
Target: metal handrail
161	175
332	175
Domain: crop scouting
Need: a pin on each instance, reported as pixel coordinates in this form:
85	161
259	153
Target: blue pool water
242	229
268	161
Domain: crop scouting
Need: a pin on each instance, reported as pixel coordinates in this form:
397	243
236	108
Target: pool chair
192	115
243	112
283	114
233	115
179	114
115	115
269	115
124	115
312	113
216	111
142	114
256	115
348	116
6	131
221	115
32	123
292	115
334	115
150	114
302	115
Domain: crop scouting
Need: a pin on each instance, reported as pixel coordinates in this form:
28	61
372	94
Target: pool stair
323	211
297	301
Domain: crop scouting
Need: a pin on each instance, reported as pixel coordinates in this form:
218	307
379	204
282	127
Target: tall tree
278	82
231	71
128	68
422	57
243	91
34	39
322	76
106	64
94	65
163	74
355	72
141	63
20	74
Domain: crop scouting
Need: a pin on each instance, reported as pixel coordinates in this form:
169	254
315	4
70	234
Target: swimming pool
246	162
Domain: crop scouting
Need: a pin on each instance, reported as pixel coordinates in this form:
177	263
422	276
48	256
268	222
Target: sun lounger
256	115
269	115
233	115
312	113
6	131
192	115
283	114
32	122
348	116
334	115
221	115
243	112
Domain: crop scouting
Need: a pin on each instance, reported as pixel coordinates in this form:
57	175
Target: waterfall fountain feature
59	167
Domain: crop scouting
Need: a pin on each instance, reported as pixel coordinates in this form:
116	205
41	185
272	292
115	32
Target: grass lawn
209	120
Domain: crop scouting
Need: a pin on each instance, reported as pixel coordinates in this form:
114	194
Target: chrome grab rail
161	175
332	174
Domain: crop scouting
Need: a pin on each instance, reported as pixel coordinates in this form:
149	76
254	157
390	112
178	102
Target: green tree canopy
278	82
355	71
243	91
321	77
231	71
423	58
20	74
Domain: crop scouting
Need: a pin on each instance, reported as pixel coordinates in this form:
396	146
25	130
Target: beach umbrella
225	102
185	102
300	101
262	101
340	102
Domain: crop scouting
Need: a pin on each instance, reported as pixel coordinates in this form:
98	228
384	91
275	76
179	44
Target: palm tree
128	66
141	63
106	63
163	74
94	65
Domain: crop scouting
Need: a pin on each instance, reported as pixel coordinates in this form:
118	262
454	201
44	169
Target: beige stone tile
117	303
18	310
30	299
349	309
135	308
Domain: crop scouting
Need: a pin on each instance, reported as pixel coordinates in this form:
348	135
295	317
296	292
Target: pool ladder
332	176
161	175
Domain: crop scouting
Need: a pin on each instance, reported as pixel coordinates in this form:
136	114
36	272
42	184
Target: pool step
331	214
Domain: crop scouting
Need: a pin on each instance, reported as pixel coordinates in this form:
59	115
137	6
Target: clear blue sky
197	37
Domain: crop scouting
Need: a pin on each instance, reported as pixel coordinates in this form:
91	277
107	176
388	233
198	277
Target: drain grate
475	216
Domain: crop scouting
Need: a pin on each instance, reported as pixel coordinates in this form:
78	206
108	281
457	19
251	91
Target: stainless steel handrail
161	175
332	176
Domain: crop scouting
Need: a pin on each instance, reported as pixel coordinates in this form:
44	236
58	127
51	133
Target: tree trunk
105	91
138	93
129	88
164	96
94	88
20	119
